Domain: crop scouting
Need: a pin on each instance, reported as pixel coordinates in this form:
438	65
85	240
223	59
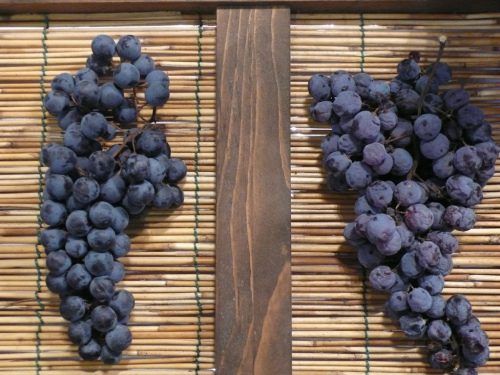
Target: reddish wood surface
342	6
253	287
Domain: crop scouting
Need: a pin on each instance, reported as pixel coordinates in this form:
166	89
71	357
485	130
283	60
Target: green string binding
197	295
38	254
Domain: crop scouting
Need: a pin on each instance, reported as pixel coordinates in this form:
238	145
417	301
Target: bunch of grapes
418	158
91	191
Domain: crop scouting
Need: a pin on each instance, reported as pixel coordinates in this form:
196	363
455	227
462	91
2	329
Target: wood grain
204	6
253	313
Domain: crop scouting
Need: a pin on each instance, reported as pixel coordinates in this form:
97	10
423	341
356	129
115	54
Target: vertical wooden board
253	288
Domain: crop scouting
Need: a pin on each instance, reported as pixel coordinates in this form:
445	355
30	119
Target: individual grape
122	303
388	120
434	284
408	70
58	262
117	272
443	167
157	171
160	76
90	350
110	96
349	145
380	227
409	192
432	104
101	239
150	143
57	284
442	359
437	309
346	103
119	338
103	46
463	190
382	278
423	85
53	213
140	194
442	72
99	264
368	256
86	190
128	48
401	134
358	175
428	254
379	194
53	239
488	152
72	308
145	65
80	332
59	186
352	236
473	338
341	81
86	74
362	81
76	247
444	266
410	266
120	219
390	246
385	167
164	197
86	94
470	117
366	126
407	101
109	357
402	162
126	76
484	174
93	125
78	278
101	67
113	189
460	218
101	214
103	318
63	82
102	288
407	236
157	94
467	160
69	117
398	301
126	113
132	209
60	159
75	140
435	148
413	325
447	243
121	246
336	162
136	168
101	166
379	91
480	134
419	300
455	99
475	359
176	170
362	206
374	154
427	126
458	309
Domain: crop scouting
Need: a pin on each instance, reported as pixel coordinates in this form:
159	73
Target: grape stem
442	44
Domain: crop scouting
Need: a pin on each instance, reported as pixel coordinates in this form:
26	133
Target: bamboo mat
337	324
170	268
338	327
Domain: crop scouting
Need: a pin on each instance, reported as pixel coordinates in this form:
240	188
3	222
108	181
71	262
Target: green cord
197	200
38	255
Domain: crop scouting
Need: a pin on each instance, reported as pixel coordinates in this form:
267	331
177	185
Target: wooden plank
204	6
253	286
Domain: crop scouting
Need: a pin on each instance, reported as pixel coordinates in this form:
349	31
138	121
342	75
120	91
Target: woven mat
337	324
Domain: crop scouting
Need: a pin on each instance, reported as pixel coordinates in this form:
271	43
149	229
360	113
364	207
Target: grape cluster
90	191
419	159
